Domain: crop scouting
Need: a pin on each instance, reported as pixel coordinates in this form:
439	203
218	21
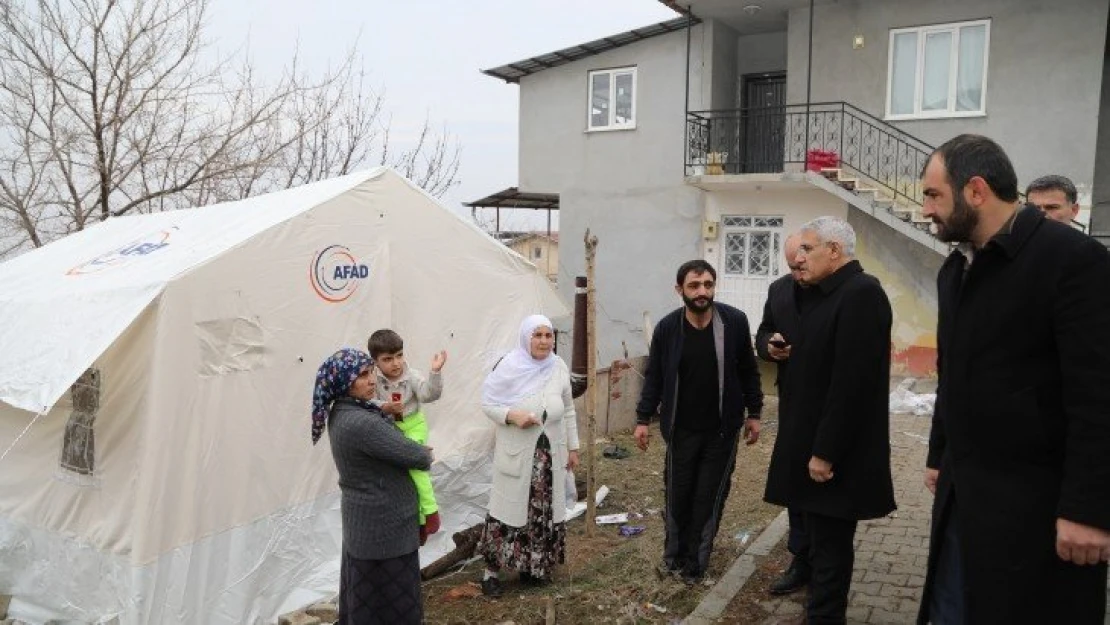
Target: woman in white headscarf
528	396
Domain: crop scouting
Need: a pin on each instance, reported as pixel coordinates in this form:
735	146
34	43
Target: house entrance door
763	123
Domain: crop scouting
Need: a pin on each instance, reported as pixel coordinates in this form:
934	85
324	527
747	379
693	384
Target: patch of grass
609	578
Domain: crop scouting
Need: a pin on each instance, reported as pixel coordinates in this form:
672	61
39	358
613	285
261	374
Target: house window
612	99
752	245
938	71
537	252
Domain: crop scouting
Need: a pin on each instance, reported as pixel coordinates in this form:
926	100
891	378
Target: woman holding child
528	397
379	579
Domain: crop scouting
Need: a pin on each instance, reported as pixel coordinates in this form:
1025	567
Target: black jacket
1021	430
739	390
839	386
780	314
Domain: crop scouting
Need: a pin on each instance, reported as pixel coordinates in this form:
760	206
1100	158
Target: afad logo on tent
138	248
335	273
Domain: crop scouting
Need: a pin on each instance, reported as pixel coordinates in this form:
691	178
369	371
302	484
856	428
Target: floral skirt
541	544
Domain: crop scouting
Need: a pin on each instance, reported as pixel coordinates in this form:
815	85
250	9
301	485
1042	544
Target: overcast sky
427	54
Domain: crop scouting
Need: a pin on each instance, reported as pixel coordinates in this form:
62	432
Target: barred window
752	245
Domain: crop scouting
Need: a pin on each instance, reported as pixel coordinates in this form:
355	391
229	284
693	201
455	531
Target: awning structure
513	72
515	198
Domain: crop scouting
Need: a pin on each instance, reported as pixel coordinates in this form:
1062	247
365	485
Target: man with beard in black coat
832	456
1019	453
772	343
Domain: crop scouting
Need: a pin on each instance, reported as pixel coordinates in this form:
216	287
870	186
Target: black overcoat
1021	430
839	386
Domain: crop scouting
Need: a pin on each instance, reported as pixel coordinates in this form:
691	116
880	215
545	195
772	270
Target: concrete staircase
899	207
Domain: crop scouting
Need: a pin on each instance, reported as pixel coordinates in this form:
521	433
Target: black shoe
528	579
692	578
793	579
664	570
491	588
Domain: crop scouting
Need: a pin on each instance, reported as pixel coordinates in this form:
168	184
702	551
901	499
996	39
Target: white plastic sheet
905	401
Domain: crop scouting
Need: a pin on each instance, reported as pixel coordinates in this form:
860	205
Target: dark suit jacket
1021	431
779	315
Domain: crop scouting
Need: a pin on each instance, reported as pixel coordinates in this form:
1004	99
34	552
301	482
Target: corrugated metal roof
513	72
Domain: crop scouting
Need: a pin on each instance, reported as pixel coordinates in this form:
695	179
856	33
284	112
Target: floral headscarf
333	381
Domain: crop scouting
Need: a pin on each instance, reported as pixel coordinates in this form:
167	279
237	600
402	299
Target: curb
714	603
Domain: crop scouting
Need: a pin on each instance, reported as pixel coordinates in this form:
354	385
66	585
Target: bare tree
111	107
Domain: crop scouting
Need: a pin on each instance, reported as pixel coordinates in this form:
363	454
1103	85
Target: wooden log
466	542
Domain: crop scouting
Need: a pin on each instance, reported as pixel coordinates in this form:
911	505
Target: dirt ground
753	603
609	578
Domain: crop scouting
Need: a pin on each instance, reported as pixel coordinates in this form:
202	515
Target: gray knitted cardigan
379	505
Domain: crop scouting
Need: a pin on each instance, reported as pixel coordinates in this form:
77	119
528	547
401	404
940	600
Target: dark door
763	122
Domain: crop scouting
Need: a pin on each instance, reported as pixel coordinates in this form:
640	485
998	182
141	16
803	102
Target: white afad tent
156	377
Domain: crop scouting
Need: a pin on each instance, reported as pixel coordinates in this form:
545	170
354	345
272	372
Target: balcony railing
782	138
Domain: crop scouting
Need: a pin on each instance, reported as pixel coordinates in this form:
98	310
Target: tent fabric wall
208	502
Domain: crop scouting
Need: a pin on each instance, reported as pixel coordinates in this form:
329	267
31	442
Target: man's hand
523	419
750	431
931	476
572	460
778	353
1081	544
820	471
438	361
641	435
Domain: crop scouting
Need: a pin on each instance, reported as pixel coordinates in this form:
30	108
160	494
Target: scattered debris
744	537
905	401
468	590
617	519
612	519
616	452
631	530
658	608
580	507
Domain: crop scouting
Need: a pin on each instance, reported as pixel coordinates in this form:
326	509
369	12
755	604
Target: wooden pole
591	377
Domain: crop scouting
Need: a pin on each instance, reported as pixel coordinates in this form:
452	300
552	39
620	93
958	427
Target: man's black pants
797	541
697	477
831	556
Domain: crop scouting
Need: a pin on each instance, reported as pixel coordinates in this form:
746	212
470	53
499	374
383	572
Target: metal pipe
686	122
578	362
809	79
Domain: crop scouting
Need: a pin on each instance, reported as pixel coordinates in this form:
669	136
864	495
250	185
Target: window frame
612	73
747	225
955	28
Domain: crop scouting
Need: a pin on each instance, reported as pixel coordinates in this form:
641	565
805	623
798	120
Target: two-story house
715	134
